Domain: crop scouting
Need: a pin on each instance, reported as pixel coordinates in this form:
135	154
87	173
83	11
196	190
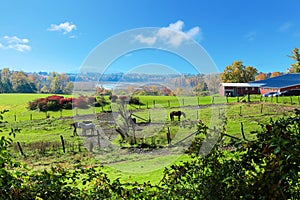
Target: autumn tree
238	73
273	74
6	85
295	67
261	76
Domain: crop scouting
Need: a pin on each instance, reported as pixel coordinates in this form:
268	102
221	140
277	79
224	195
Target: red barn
274	84
239	89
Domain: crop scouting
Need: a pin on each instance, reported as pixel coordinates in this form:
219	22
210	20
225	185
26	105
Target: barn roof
242	84
283	81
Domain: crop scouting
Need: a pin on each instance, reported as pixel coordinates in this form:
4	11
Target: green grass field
41	142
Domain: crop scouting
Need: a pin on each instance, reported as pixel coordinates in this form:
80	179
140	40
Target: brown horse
176	113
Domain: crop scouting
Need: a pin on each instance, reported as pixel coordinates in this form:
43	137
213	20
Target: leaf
277	150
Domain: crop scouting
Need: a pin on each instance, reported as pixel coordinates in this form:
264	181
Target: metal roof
242	84
282	81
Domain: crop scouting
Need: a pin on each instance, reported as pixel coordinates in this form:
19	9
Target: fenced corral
147	102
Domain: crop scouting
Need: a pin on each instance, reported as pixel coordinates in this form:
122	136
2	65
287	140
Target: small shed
239	89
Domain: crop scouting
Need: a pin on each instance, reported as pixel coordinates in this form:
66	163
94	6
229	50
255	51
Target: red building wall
240	91
267	90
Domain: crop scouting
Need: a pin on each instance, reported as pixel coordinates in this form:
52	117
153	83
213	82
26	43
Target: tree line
21	82
239	73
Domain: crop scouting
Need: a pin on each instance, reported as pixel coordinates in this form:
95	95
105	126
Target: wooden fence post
240	110
98	139
261	108
169	136
242	130
153	103
20	148
63	143
291	98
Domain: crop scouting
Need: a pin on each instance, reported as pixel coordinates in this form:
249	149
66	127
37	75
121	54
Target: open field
40	138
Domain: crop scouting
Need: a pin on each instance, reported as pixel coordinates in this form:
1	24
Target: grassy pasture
39	131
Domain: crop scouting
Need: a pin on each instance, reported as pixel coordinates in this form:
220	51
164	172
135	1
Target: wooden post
20	148
291	98
238	99
226	99
98	139
242	130
261	108
240	110
153	103
169	136
213	100
249	98
63	143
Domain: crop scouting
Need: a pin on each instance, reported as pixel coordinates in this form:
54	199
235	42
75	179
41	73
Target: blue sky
60	35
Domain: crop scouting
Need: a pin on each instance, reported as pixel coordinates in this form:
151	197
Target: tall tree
238	73
21	84
273	74
261	76
6	81
295	68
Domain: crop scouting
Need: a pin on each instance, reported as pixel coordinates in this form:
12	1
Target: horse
84	127
75	126
176	113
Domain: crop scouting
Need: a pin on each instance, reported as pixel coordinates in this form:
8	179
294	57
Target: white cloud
172	34
145	40
13	42
66	27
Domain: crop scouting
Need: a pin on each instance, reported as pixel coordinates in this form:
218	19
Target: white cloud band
13	42
66	27
172	35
